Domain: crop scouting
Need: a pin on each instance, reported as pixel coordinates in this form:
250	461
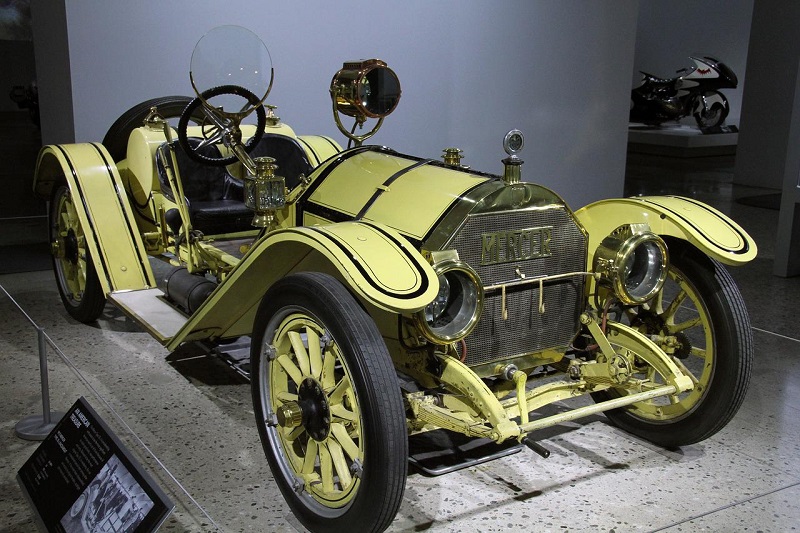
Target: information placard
82	479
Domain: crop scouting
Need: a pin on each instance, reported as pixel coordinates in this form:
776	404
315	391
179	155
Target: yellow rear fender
375	262
103	209
706	228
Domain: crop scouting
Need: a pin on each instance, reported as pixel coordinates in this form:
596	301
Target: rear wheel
169	107
701	307
328	406
76	276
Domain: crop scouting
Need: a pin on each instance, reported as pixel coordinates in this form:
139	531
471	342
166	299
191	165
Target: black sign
81	479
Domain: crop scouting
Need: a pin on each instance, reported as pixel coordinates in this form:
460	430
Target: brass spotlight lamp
364	89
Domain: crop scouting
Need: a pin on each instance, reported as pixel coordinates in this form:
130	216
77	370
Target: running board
149	309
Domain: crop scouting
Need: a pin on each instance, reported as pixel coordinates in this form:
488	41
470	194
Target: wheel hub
648	322
71	247
311	410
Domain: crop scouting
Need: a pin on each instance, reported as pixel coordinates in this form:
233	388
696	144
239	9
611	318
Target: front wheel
700	306
328	407
710	110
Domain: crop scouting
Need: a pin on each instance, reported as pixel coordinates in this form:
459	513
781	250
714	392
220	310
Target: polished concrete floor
193	413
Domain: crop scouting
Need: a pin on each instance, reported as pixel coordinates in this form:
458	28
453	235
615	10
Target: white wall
470	71
669	32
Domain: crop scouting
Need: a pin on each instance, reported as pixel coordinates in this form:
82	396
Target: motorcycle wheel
328	408
76	277
169	107
702	307
711	110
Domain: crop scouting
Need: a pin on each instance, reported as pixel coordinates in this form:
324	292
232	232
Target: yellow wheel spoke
342	412
338	393
300	352
686	371
326	468
669	313
343	438
285	397
657	303
310	460
698	352
685	325
294	433
288	365
314	353
328	369
340	464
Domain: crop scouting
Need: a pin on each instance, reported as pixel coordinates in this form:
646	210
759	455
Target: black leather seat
214	197
288	154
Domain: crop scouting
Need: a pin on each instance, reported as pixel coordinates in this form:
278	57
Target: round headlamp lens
437	307
642	273
457	307
633	265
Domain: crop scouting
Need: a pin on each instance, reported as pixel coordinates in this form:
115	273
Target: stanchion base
33	427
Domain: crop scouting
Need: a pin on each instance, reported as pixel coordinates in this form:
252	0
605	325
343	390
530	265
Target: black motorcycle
695	92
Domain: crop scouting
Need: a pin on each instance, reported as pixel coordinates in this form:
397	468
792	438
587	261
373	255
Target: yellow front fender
379	265
709	230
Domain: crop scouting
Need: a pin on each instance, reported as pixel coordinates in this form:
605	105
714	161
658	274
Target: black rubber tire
733	348
196	106
116	139
86	307
716	114
383	424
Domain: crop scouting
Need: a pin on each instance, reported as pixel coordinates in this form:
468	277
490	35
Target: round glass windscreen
232	56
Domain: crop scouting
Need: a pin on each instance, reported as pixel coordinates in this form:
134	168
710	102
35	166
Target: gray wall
53	74
669	32
772	67
17	69
470	71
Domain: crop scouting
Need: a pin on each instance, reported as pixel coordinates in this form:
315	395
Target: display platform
680	140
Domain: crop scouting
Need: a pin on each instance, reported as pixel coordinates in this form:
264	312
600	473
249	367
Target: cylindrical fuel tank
185	289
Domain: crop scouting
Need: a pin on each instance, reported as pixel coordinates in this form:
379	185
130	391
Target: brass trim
421	323
615	250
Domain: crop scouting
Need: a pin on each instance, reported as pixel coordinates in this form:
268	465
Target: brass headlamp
458	306
632	262
364	89
264	192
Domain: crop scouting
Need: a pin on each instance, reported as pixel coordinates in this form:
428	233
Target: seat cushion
288	154
215	198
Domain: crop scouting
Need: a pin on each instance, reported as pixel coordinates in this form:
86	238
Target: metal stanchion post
37	427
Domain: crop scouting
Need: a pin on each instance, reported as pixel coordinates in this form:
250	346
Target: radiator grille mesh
525	330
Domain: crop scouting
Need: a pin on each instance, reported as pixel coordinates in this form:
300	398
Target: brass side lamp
364	89
264	192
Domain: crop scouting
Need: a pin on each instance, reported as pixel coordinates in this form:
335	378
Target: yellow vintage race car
387	295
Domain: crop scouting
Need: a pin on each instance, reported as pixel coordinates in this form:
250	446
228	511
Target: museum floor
194	414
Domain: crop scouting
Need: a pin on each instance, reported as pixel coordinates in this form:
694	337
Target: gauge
513	142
